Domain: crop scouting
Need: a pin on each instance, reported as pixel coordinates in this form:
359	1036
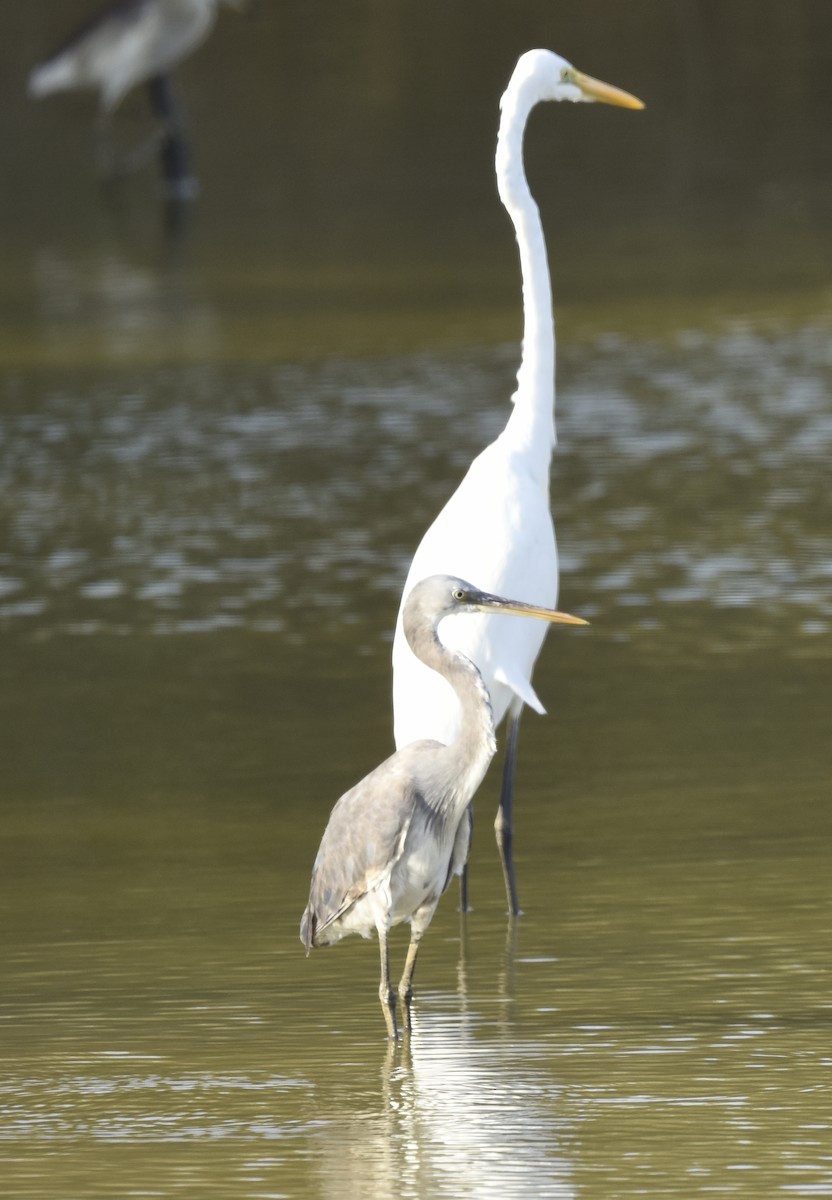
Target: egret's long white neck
533	420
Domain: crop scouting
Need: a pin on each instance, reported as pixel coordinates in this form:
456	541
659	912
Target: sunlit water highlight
688	474
541	1078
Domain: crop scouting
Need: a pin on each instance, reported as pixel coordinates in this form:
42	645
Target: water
217	450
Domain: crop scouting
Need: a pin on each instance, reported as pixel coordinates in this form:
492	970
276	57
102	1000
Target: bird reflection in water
467	1108
122	307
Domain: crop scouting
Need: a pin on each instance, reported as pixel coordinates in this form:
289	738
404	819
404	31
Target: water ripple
690	479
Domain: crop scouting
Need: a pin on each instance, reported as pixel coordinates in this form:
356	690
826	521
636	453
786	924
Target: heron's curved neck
533	418
475	744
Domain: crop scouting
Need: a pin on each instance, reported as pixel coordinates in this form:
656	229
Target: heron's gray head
440	596
546	76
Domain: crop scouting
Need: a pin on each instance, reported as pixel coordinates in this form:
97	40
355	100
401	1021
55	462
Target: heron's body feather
393	842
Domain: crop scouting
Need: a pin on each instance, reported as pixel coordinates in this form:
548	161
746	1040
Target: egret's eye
459	594
566	75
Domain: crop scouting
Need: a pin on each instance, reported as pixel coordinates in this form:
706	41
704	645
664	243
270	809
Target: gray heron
394	841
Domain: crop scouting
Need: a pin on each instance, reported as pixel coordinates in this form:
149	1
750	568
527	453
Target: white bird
497	526
393	842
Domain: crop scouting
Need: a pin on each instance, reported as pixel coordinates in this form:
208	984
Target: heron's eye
566	75
459	594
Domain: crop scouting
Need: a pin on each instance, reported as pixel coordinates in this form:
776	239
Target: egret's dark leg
503	826
174	154
406	984
385	990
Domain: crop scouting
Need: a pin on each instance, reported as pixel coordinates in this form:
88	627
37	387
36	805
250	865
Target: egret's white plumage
497	526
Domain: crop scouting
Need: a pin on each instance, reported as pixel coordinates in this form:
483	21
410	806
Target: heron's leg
406	984
503	826
385	991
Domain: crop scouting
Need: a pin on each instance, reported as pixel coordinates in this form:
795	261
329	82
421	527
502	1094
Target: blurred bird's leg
503	826
385	991
406	984
171	141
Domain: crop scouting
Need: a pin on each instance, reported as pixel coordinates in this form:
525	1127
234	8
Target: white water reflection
121	1097
111	309
472	1107
463	1115
492	1119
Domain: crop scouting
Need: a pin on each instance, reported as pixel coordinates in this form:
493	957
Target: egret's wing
364	838
521	687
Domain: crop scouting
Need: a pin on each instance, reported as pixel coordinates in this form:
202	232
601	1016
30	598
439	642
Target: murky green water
217	451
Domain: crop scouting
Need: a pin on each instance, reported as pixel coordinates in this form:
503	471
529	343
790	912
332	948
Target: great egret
497	526
127	43
394	841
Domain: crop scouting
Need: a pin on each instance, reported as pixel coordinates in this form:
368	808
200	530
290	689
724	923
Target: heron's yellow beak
604	93
517	608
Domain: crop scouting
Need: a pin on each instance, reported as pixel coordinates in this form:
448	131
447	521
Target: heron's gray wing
364	837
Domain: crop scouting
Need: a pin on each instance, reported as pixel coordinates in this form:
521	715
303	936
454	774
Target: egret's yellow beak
604	93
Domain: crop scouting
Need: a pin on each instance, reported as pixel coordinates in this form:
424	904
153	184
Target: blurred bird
128	43
394	841
497	526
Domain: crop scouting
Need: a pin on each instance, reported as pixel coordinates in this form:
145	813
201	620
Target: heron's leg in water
385	991
503	826
406	984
